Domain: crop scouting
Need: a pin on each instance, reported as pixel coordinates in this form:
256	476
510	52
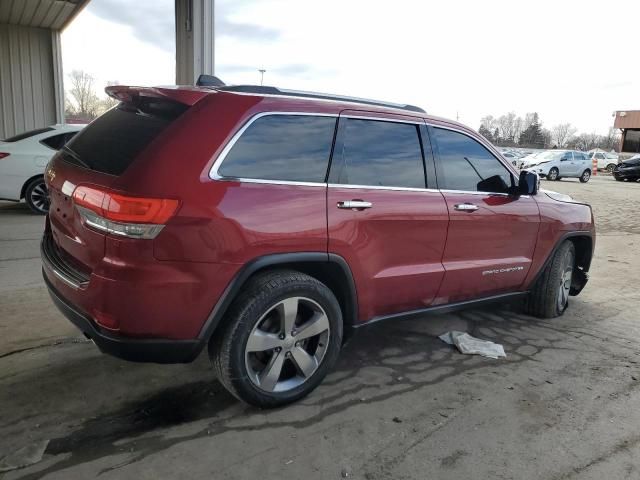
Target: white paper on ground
473	346
24	456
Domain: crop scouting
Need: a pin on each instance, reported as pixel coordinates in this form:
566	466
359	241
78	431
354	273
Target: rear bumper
132	349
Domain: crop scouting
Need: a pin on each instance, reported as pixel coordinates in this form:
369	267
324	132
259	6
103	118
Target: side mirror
528	183
564	159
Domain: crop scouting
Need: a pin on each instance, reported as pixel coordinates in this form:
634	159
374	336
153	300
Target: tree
532	136
108	102
83	102
562	133
486	133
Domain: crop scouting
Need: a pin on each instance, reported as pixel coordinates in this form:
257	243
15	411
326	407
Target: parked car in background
606	161
264	225
557	164
512	157
23	159
529	159
628	170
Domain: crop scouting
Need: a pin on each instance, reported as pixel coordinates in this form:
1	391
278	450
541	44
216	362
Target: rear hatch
98	155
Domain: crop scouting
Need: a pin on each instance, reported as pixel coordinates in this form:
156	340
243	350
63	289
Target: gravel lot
401	403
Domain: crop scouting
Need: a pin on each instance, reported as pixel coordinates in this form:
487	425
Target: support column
58	76
194	40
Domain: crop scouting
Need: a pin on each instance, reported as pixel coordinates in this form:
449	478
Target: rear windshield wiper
75	156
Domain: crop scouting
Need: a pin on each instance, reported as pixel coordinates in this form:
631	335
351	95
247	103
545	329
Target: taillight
4	154
133	217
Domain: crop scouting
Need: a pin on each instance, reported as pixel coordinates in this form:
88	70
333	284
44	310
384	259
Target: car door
492	234
580	163
382	218
566	166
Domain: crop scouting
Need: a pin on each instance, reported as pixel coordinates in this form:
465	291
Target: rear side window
464	164
111	143
578	156
57	141
379	153
282	147
30	133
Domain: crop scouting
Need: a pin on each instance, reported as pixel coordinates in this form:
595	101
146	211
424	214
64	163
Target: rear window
111	143
30	133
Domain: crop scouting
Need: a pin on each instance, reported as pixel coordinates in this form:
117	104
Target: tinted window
113	140
57	141
464	164
599	156
380	153
282	147
31	133
578	156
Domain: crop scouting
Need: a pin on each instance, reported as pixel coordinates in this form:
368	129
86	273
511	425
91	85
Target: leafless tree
108	102
83	100
562	133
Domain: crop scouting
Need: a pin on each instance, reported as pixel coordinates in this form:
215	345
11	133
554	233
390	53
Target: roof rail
264	90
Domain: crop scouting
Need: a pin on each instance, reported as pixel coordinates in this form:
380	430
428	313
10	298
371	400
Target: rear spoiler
184	95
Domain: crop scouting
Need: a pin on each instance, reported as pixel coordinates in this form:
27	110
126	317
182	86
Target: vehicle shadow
381	362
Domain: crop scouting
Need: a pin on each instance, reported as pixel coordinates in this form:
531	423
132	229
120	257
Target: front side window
464	164
57	141
282	147
379	153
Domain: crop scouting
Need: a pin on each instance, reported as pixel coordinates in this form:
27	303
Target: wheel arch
23	190
583	243
330	269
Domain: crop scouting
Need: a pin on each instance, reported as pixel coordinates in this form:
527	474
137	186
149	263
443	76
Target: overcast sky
571	61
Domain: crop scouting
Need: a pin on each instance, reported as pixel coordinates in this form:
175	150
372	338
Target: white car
606	161
557	164
23	159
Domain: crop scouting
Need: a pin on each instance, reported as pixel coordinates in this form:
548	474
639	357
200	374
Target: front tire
549	297
585	177
36	196
611	167
283	335
553	174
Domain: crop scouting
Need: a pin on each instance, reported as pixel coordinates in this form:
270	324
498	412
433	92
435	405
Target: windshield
552	155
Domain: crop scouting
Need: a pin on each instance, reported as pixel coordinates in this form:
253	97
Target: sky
566	60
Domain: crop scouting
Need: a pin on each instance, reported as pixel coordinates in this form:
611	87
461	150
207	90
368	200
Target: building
31	77
629	122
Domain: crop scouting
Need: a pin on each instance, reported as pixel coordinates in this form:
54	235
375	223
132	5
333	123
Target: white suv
557	164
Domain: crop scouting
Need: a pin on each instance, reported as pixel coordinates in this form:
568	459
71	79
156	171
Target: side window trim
213	171
428	155
437	159
337	164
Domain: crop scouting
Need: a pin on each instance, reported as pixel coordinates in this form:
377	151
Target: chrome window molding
213	172
382	187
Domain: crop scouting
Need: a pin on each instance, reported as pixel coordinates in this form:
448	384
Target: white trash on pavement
472	345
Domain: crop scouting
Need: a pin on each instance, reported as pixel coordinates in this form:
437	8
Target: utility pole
261	70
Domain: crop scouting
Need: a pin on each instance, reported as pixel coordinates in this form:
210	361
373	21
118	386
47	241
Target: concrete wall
29	80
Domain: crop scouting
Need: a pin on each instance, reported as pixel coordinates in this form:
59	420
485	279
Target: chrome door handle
354	204
466	207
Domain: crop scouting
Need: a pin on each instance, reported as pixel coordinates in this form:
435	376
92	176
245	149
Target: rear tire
36	196
586	176
553	174
267	355
549	297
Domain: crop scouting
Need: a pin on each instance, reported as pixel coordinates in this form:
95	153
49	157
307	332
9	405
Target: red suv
267	224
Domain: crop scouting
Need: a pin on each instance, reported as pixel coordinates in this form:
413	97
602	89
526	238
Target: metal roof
53	14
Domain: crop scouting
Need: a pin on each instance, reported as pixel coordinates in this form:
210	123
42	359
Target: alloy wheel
565	283
287	344
39	197
553	174
586	176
